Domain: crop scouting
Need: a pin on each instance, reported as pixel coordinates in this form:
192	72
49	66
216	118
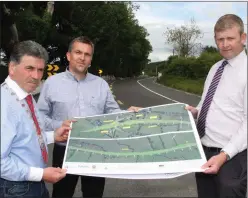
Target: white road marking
156	92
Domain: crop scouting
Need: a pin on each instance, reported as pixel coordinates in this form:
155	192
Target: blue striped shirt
63	97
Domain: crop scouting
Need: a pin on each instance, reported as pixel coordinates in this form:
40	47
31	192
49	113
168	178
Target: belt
212	149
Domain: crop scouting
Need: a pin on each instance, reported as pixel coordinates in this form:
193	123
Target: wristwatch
227	156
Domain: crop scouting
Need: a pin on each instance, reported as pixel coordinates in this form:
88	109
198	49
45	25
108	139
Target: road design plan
158	139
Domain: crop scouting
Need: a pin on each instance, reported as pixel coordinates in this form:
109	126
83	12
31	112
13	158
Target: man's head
26	65
80	54
229	35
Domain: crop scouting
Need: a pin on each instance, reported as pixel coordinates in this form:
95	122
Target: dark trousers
22	189
90	186
230	181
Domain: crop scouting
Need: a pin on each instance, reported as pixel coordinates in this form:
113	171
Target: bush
171	58
193	68
181	67
209	59
189	74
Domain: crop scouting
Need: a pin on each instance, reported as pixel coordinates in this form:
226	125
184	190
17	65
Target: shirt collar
72	76
237	60
21	94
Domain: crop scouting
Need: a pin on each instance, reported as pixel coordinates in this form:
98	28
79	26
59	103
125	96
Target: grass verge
181	83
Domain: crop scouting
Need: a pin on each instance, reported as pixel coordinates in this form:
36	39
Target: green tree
210	49
121	47
184	39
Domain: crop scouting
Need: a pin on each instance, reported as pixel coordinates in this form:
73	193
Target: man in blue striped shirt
23	140
76	93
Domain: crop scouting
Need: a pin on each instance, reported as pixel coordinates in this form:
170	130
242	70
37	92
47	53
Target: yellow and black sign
51	70
100	72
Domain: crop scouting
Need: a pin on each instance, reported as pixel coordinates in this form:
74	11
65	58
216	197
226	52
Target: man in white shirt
222	115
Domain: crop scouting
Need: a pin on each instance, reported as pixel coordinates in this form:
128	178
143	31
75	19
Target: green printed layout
154	134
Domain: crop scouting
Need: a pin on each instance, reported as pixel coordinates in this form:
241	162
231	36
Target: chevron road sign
100	72
51	69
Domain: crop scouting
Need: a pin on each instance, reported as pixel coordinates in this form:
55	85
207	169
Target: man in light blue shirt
23	141
75	93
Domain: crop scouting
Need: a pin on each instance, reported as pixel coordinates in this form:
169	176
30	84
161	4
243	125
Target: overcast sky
156	16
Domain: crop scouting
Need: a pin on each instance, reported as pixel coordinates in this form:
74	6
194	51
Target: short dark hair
228	21
81	39
29	48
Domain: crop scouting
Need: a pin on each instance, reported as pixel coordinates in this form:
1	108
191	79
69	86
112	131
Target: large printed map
157	139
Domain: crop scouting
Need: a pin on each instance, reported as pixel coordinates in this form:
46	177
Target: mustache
34	81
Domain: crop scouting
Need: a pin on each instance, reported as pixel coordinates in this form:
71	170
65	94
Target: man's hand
193	110
134	109
67	123
61	134
53	175
213	165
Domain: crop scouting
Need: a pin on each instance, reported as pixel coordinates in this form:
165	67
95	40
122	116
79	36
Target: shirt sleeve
111	105
35	174
45	108
238	142
50	137
11	169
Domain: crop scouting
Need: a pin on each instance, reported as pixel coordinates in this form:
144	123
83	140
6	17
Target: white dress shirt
226	122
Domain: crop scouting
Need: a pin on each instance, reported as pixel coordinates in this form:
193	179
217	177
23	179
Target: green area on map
154	134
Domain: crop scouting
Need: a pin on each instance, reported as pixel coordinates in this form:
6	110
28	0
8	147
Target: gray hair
29	48
81	39
228	21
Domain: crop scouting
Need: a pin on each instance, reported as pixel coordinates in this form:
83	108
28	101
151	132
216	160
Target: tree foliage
191	67
121	47
188	68
184	38
210	49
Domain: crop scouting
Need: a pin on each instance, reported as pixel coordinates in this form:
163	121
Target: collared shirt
63	97
21	157
226	122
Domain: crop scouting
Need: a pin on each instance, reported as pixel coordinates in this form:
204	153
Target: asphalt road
132	93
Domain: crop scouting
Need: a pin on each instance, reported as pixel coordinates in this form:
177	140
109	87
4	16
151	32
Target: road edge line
156	92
